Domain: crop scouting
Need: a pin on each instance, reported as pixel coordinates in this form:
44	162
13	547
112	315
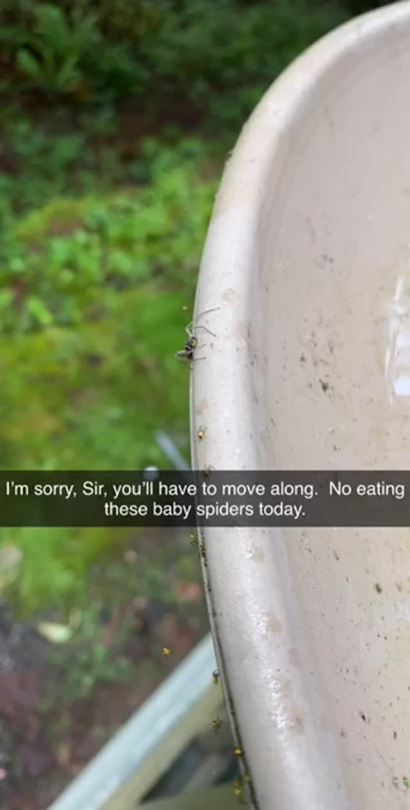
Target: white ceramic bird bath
308	258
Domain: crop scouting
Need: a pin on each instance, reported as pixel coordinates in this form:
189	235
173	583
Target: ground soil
46	737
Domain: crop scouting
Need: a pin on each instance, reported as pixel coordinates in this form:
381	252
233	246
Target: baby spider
187	353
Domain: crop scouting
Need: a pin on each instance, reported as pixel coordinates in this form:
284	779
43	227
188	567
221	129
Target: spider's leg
182	356
206	311
206	330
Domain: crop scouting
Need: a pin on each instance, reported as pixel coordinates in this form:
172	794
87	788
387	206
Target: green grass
96	292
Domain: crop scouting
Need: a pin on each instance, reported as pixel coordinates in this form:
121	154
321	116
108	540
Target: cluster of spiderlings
202	553
240	787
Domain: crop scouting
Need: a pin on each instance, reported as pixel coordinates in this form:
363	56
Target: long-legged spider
187	353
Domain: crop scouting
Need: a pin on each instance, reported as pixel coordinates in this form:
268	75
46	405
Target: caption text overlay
205	498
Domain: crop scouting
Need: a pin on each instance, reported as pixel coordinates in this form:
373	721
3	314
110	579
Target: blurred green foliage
213	56
69	261
95	293
92	660
91	314
105	195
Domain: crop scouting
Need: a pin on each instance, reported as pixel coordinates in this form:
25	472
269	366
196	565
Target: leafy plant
56	47
214	58
57	262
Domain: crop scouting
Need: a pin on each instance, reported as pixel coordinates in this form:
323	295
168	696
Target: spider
187	353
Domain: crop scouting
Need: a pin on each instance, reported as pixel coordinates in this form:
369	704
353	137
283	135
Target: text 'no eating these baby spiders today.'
187	354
